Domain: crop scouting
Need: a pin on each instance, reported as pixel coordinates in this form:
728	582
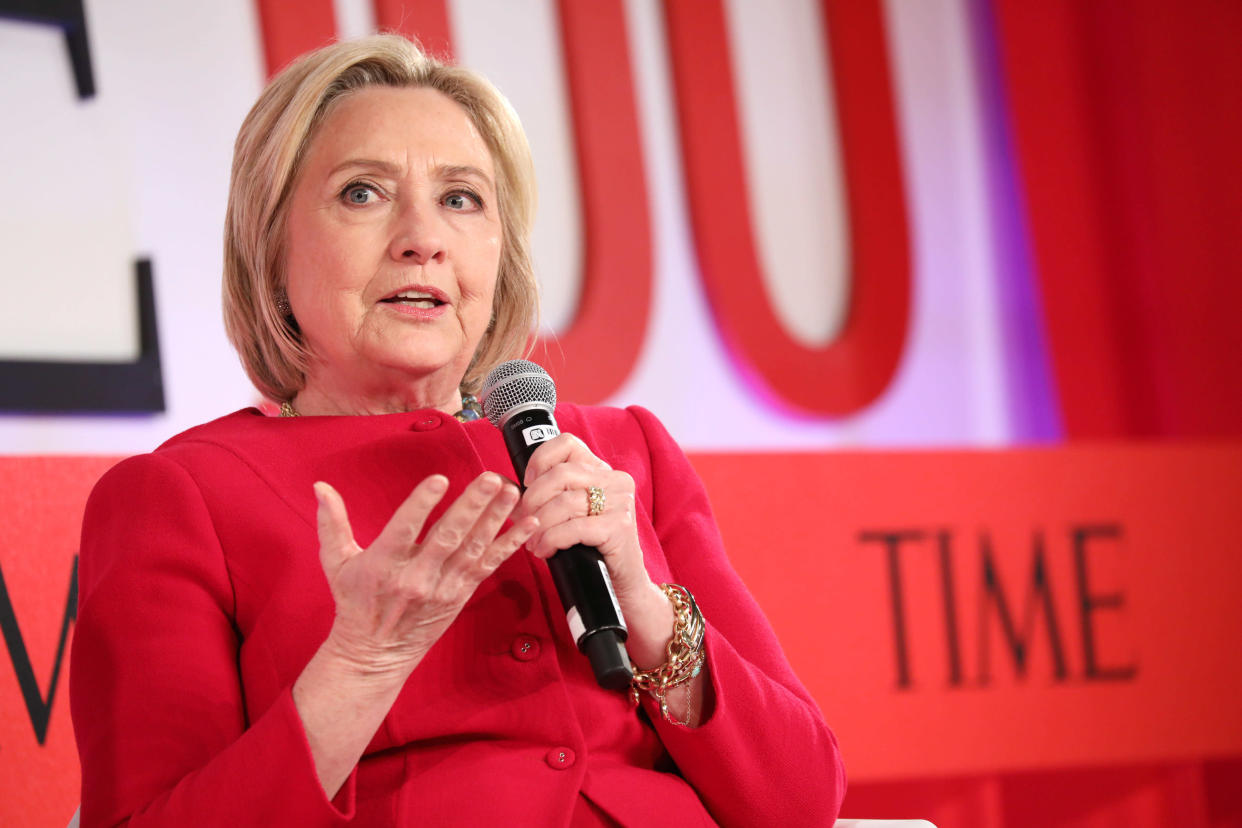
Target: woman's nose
417	237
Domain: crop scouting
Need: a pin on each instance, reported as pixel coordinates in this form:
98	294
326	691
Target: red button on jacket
427	423
560	758
525	648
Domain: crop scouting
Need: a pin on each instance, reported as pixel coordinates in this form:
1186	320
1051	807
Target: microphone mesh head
513	384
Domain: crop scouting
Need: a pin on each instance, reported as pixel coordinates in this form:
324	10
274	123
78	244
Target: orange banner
953	612
965	612
41	501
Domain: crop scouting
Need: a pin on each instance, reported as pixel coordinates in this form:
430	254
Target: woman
417	670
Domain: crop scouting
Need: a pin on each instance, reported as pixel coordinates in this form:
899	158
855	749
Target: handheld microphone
519	398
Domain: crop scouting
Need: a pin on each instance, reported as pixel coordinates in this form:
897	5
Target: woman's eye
359	194
462	200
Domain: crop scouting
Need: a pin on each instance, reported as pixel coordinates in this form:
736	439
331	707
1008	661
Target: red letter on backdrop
426	20
289	29
597	353
853	370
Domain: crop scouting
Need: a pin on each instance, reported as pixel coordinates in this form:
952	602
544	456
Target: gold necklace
470	409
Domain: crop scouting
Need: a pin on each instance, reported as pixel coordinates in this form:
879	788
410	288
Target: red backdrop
1127	117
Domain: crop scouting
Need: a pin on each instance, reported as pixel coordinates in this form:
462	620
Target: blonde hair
268	157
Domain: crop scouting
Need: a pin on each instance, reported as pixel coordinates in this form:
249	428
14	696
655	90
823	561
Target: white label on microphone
608	583
538	433
576	627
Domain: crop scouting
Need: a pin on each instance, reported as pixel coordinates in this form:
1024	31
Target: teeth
417	298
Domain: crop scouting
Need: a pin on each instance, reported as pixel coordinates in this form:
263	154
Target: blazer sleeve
764	756
158	705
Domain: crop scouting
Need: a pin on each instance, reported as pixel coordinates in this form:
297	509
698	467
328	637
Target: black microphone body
581	578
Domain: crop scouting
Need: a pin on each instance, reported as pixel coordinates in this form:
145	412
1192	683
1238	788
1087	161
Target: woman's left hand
560	473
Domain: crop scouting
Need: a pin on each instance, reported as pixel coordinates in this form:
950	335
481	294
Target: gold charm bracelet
685	653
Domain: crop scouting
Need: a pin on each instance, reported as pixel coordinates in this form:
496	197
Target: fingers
471	521
565	522
565	448
554	506
508	543
561	501
570	477
614	533
396	598
563	492
336	538
464	544
463	548
558	478
400	535
467	528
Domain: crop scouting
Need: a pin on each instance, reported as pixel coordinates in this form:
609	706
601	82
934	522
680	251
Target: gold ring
595	501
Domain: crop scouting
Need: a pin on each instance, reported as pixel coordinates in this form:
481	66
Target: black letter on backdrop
32	386
39	709
949	594
93	387
69	17
892	540
1089	603
1041	592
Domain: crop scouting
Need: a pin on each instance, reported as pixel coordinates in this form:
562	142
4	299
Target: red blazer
201	599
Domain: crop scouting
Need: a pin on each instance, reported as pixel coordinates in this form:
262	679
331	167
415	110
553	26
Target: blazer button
525	648
427	423
560	758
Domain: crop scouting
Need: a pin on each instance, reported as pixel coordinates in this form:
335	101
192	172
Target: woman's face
392	247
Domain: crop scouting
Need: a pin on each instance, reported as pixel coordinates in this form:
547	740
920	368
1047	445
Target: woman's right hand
394	600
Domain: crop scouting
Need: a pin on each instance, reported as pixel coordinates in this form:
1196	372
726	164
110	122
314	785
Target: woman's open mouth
422	298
